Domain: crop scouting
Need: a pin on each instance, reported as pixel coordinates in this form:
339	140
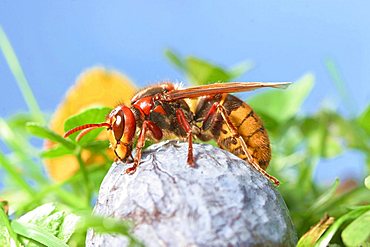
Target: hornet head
121	125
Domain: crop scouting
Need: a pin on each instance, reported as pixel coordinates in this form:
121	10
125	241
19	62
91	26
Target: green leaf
282	105
15	174
91	115
6	232
15	138
332	147
240	69
174	59
315	140
328	235
56	151
5	239
323	200
19	121
88	116
367	182
37	234
364	120
17	142
97	145
311	237
46	225
67	228
107	225
320	132
358	232
201	72
340	84
45	133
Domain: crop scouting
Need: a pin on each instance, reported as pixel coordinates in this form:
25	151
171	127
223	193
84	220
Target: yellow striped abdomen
250	127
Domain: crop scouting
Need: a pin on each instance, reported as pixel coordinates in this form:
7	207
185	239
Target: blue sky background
56	40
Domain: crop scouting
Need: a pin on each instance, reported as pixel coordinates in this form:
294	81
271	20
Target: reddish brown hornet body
162	110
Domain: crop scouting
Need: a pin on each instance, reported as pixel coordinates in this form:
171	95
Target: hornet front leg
156	133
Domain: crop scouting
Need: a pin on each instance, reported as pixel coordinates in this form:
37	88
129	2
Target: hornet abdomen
245	121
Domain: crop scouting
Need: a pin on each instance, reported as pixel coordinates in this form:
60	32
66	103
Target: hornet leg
184	124
139	146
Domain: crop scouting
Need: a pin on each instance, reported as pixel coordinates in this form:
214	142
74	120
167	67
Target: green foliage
364	120
93	115
283	105
350	235
201	72
314	234
45	225
367	182
69	193
358	232
7	234
26	186
21	80
299	141
45	133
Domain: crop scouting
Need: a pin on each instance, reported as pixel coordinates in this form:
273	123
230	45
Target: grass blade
340	85
25	154
85	176
107	225
328	235
175	59
322	201
14	173
57	151
43	132
35	233
310	237
20	78
5	221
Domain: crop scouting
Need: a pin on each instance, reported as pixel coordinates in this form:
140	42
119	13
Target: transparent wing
217	88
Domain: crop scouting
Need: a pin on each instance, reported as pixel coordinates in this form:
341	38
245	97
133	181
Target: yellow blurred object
94	87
